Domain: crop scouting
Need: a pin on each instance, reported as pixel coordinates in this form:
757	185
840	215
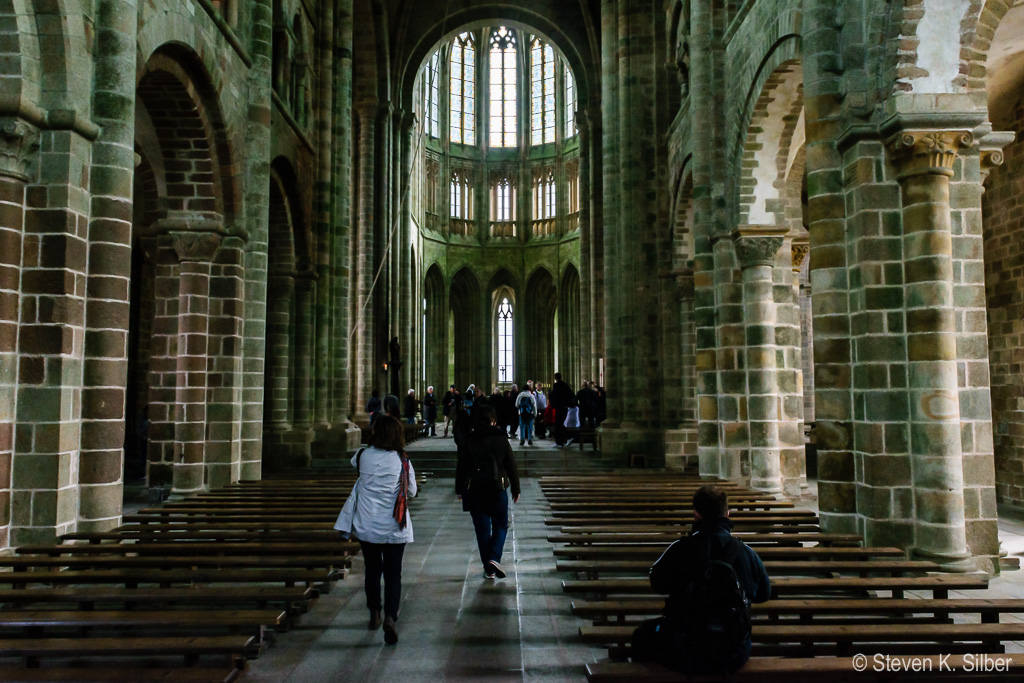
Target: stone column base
287	449
336	442
681	448
953	563
627	439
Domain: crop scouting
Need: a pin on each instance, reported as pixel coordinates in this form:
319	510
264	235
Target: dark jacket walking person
410	407
430	410
448	403
485	472
561	398
382	525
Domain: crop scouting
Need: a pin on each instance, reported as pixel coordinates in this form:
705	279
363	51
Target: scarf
401	509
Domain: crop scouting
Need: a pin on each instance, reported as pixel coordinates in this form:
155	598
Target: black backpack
526	407
484	477
716	622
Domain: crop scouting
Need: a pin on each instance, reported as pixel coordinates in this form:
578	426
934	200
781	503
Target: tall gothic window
461	203
544	203
542	92
503	88
463	90
570	104
503	206
505	341
431	90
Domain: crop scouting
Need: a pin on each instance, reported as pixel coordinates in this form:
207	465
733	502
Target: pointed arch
466	306
436	332
568	326
539	313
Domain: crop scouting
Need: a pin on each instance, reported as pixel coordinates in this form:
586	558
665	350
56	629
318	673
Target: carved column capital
990	150
194	245
800	247
19	144
757	245
928	152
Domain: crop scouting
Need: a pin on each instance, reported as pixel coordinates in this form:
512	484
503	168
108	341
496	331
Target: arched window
542	92
503	205
544	202
503	88
463	90
461	202
505	341
570	104
431	97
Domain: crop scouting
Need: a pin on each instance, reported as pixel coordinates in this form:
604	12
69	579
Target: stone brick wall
1004	292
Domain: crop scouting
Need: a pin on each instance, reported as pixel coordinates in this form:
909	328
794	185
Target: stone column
195	252
412	306
305	294
110	242
799	247
325	113
280	290
363	336
755	250
925	162
257	212
19	143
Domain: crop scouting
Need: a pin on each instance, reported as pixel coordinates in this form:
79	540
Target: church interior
781	236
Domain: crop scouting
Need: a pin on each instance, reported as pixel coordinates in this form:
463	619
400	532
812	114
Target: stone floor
457	626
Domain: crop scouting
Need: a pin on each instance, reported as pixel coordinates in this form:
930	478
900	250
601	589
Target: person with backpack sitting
711	579
526	406
486	469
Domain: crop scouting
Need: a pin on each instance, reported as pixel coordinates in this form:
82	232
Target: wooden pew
120	674
134	577
776	568
651	553
295	599
663	539
190	647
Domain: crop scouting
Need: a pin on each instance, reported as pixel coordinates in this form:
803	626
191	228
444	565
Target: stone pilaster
362	332
196	251
280	293
319	381
799	248
755	250
110	243
925	161
305	294
19	144
411	304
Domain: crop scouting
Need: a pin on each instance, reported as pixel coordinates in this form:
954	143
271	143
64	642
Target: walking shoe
520	442
375	620
496	568
488	572
529	442
390	632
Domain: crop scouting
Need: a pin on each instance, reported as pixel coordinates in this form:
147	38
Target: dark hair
484	415
558	376
388	434
711	502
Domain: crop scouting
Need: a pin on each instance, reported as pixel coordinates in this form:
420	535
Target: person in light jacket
381	537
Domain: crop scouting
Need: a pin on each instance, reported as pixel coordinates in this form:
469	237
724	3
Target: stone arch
22	63
568	326
61	33
539	307
436	359
192	136
770	130
681	226
466	306
999	61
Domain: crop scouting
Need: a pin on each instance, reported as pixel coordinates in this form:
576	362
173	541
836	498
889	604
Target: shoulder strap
359	455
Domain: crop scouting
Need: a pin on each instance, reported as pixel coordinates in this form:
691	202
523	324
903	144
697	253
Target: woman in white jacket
375	519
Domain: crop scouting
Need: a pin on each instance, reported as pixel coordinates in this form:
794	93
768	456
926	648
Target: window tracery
503	88
462	124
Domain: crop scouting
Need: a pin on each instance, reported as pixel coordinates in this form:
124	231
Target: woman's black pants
383	559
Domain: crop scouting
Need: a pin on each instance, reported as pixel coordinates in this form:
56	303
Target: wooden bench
833	669
189	647
775	568
938	585
665	538
120	674
642	552
842	639
296	599
135	577
27	564
748	520
808	610
200	532
183	547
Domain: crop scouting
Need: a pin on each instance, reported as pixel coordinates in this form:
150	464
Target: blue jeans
490	520
525	428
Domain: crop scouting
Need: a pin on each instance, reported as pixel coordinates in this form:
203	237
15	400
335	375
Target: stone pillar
363	334
925	161
110	262
325	113
19	143
755	250
195	252
305	293
257	212
412	305
799	248
280	290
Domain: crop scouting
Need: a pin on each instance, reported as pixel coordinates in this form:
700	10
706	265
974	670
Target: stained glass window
505	341
431	87
570	104
503	88
544	196
503	206
463	100
542	92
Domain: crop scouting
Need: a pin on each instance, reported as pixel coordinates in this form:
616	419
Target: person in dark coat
410	407
448	402
710	539
488	502
586	399
430	410
375	407
561	398
391	407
